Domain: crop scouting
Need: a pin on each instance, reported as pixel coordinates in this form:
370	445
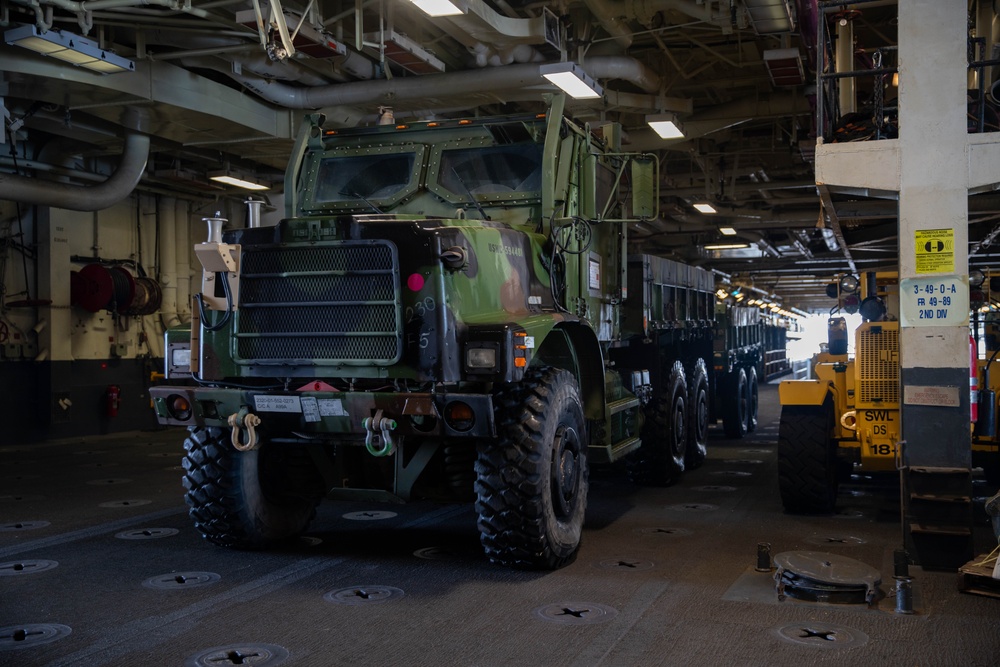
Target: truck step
613	452
622	404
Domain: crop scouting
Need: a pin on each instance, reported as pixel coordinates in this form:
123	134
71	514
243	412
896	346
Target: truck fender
803	392
575	347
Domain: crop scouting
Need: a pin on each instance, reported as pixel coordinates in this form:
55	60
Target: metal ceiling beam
834	221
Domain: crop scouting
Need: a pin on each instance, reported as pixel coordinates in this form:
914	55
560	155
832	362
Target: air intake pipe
87	198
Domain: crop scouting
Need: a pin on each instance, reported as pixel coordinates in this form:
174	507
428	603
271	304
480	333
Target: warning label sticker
935	250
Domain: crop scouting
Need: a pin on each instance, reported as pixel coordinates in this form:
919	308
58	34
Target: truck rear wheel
531	485
752	403
735	404
248	500
697	446
807	459
661	458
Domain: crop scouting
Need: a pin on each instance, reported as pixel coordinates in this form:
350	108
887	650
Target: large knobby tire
248	500
531	483
807	459
752	399
735	404
697	447
661	458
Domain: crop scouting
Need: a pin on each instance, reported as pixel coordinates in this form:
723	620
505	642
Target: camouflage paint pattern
466	253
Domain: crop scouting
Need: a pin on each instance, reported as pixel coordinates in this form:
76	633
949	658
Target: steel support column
934	295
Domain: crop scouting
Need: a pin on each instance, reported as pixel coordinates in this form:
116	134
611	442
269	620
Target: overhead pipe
203	50
492	38
512	81
807	12
487	25
614	15
182	222
81	9
87	198
256	65
845	63
166	214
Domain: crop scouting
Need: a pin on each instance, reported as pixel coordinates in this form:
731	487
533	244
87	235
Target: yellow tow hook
378	436
240	420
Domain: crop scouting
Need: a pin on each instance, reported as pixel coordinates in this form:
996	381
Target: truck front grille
877	361
322	304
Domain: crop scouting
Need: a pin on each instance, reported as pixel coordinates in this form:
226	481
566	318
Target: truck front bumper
333	413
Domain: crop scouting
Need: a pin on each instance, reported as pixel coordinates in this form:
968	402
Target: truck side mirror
645	200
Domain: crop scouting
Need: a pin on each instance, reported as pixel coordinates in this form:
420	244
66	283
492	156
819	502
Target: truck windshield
492	170
350	178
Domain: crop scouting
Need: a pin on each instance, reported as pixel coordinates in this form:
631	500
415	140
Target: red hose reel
96	287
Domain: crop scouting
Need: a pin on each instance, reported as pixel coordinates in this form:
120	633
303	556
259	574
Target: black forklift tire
531	483
697	447
807	459
660	461
752	398
735	404
252	499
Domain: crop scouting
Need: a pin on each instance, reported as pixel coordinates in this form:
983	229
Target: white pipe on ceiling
511	82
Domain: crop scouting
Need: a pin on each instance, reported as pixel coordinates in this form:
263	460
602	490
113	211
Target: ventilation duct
86	198
769	17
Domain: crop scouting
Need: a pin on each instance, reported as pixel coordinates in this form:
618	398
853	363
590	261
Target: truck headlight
180	358
178	361
481	358
848	284
500	352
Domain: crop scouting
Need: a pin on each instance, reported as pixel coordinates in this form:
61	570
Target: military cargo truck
448	309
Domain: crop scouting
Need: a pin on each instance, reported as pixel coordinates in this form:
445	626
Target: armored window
375	177
488	171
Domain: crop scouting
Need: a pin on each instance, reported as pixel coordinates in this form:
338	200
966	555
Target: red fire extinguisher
973	381
112	399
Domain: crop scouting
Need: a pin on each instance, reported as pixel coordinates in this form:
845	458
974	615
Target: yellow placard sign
935	250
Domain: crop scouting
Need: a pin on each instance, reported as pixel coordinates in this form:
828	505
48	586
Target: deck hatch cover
824	577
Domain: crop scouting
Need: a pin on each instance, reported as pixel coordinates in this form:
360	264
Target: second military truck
448	309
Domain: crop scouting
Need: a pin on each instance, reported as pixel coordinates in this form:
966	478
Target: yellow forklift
845	418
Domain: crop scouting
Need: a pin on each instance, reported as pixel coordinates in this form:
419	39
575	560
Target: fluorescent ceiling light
727	246
665	125
705	208
70	48
770	16
571	78
229	178
438	7
727	231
